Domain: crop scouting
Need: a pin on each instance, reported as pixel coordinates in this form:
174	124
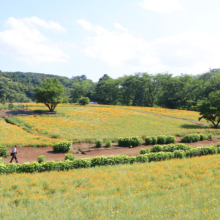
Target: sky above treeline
117	37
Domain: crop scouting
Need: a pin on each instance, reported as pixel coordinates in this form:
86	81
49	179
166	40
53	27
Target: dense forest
141	89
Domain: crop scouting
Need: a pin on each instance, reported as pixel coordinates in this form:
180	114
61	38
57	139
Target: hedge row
130	141
189	138
166	148
103	161
160	139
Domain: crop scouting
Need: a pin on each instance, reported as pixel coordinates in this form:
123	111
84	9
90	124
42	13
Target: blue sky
117	38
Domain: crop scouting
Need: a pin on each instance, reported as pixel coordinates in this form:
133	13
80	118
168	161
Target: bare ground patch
30	154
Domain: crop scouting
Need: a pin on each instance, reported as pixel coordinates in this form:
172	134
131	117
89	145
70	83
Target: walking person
13	154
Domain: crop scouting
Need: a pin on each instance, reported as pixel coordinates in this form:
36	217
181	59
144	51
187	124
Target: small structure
93	103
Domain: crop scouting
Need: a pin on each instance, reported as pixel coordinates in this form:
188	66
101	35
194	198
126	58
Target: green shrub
148	140
99	143
69	157
84	101
130	141
62	147
170	139
189	138
4	151
210	137
108	144
203	137
41	159
161	139
144	151
160	156
136	141
200	151
1	160
154	140
179	154
218	144
156	148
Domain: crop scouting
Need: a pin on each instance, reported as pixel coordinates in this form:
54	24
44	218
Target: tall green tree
49	93
3	99
210	109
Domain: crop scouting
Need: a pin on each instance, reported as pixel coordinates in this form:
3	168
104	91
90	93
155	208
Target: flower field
190	115
108	122
175	189
12	134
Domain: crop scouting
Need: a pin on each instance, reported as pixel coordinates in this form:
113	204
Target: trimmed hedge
103	161
166	148
62	147
130	141
160	139
189	138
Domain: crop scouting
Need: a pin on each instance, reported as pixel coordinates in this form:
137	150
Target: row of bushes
166	148
160	139
130	141
137	141
103	161
189	138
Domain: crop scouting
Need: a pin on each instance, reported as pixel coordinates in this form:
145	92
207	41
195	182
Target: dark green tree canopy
84	101
210	109
49	93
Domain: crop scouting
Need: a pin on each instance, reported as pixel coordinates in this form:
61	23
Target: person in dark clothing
13	154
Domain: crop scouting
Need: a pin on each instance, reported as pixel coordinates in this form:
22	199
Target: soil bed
30	154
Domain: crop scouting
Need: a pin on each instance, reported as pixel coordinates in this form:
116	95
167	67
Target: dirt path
182	119
30	154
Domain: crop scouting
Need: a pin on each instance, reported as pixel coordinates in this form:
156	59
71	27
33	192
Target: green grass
90	123
176	189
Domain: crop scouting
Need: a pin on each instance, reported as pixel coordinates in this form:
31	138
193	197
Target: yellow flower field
12	134
190	115
175	189
108	122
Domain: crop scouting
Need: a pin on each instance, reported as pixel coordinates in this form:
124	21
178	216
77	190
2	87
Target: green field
176	189
77	123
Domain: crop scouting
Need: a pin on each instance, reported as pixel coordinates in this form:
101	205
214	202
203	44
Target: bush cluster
4	151
189	138
41	159
130	141
99	143
160	139
102	161
108	144
62	147
69	157
166	148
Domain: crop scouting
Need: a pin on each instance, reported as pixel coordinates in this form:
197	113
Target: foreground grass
77	123
176	189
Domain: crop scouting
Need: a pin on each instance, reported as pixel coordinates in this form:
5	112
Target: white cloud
161	5
23	41
118	26
86	25
188	52
48	25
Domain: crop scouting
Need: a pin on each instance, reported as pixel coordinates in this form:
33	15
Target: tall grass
176	189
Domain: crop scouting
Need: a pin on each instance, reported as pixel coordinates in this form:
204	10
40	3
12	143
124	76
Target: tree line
141	89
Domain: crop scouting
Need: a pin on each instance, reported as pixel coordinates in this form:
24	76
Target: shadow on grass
195	126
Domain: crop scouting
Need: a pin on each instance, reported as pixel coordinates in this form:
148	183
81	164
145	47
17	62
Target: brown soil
30	154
